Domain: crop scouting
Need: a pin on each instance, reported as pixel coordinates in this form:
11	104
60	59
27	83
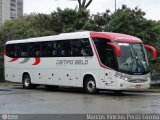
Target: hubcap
26	82
91	86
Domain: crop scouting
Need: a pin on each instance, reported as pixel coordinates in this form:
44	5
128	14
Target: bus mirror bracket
154	52
117	48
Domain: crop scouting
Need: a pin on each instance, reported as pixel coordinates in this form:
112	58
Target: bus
90	60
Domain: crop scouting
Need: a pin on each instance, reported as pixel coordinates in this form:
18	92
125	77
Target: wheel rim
91	86
26	82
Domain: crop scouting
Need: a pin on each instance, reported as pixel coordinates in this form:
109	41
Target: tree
83	4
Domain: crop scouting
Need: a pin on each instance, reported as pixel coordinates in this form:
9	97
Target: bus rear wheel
27	82
90	85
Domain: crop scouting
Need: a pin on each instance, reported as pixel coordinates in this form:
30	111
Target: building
10	9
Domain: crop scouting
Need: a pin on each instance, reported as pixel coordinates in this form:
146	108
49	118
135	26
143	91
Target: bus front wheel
90	85
27	82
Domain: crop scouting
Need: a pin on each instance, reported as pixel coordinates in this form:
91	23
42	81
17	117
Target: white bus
90	60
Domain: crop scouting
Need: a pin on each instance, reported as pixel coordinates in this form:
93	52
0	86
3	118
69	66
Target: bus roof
115	37
76	35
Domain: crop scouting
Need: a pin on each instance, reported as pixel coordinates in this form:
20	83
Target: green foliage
69	20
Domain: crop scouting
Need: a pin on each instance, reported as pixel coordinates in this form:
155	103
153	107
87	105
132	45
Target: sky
151	7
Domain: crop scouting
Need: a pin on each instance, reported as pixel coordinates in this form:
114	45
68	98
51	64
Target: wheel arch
25	73
87	75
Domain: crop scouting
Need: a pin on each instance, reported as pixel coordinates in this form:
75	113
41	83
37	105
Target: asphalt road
15	100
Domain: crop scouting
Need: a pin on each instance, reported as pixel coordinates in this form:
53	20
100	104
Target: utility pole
115	5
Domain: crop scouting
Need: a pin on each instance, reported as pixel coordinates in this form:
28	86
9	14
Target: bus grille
138	80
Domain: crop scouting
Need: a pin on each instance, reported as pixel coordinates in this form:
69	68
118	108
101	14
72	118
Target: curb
9	84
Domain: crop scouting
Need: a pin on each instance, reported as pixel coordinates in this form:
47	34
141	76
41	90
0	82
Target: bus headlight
148	78
121	77
126	79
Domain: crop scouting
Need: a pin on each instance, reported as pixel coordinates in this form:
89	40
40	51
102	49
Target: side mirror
154	52
117	48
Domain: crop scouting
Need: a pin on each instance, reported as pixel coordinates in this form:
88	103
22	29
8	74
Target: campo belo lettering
72	62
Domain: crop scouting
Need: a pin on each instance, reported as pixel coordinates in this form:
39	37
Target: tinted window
23	50
62	48
10	50
58	48
81	47
106	53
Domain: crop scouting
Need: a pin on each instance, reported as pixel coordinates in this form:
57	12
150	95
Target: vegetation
124	20
83	4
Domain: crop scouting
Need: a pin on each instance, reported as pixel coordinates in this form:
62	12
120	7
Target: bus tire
90	85
26	82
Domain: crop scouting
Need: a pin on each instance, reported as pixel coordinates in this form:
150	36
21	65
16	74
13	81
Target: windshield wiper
132	56
141	63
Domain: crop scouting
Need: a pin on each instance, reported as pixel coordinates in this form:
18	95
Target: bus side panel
107	79
55	76
13	75
12	72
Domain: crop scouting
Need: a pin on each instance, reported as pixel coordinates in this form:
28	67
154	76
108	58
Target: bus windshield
133	58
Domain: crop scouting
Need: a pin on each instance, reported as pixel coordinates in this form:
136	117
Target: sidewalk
9	84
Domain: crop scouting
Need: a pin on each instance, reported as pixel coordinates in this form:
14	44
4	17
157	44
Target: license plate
138	86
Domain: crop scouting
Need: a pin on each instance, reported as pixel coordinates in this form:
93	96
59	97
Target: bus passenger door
111	64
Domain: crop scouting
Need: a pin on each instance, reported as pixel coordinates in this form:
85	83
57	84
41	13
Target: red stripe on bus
37	61
13	59
115	37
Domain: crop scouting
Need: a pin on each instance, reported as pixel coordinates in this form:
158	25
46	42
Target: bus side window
110	58
54	52
86	48
42	48
58	49
52	49
106	52
17	50
81	47
31	50
23	50
66	49
75	48
10	50
49	49
37	49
